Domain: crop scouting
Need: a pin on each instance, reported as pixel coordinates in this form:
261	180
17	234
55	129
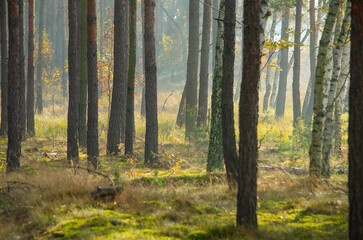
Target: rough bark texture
83	84
30	78
215	15
73	102
192	70
63	51
355	125
315	151
281	94
121	51
130	108
269	68
297	54
143	105
14	144
228	130
4	69
92	124
340	39
151	136
248	117
22	109
39	83
215	148
204	65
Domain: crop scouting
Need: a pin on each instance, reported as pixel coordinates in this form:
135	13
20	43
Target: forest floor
176	199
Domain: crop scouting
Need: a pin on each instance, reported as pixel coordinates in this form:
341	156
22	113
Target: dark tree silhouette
151	137
22	109
248	116
83	84
14	144
39	83
4	69
30	78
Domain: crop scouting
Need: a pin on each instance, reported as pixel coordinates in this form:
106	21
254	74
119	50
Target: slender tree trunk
92	124
297	54
130	109
39	88
215	148
204	65
328	69
340	39
30	82
276	81
355	181
269	68
73	104
228	130
14	143
121	50
63	48
83	81
315	152
281	94
4	70
143	105
22	109
151	136
102	9
248	117
192	70
180	119
215	15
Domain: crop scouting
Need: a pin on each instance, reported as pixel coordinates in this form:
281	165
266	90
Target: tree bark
204	65
248	117
22	110
121	51
4	70
215	148
355	177
276	81
143	105
39	89
14	144
92	124
151	136
130	109
30	78
315	152
83	78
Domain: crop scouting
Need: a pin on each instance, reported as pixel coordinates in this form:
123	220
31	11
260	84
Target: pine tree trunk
22	110
192	71
297	54
14	144
83	81
281	94
276	81
151	136
130	109
204	65
4	69
215	148
73	104
315	152
121	50
248	117
228	130
355	177
39	83
63	50
30	78
215	15
269	68
143	105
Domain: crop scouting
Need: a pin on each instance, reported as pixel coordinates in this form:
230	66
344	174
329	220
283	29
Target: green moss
198	235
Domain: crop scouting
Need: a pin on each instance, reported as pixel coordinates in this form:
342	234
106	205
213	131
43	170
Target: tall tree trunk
276	81
121	50
248	117
328	69
39	83
4	70
204	65
14	143
102	10
341	32
151	136
74	67
192	70
143	104
83	81
315	152
130	108
215	148
22	110
63	51
180	119
215	25
92	124
355	181
281	94
269	68
228	130
297	54
30	78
